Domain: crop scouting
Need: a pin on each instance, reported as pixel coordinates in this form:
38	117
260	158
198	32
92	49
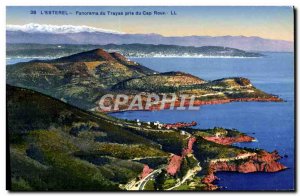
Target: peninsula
59	140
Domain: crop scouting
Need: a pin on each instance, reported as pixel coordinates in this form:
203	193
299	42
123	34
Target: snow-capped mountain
69	34
56	29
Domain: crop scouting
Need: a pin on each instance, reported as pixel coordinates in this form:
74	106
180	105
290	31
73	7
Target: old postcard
137	98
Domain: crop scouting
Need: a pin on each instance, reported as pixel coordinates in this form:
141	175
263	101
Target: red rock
180	125
209	178
146	170
223	166
229	140
211	187
247	167
191	142
261	162
187	103
189	148
274	167
174	165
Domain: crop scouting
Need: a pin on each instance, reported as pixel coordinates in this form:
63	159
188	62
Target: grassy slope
80	79
51	145
55	146
182	83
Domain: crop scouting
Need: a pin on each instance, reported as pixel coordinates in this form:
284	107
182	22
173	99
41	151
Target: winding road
150	176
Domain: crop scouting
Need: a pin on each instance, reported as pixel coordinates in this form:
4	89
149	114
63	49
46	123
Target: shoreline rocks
263	161
229	140
157	107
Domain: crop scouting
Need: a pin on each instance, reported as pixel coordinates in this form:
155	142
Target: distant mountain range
68	34
128	50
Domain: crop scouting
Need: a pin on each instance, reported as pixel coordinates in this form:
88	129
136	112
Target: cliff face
186	104
174	165
208	181
261	162
217	101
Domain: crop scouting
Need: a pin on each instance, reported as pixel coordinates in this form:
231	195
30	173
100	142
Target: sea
272	124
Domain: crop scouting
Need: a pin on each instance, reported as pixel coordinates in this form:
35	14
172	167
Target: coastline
261	161
196	103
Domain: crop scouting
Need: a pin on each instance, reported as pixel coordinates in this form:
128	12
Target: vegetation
215	131
83	78
55	145
150	186
47	154
206	150
79	79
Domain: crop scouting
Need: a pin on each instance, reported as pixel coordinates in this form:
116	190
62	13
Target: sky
266	22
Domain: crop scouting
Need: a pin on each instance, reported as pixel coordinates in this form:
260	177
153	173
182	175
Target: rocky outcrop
179	125
229	140
174	165
208	181
175	161
260	162
146	171
189	148
222	101
213	102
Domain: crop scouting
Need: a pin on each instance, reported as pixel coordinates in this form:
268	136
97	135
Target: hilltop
79	79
